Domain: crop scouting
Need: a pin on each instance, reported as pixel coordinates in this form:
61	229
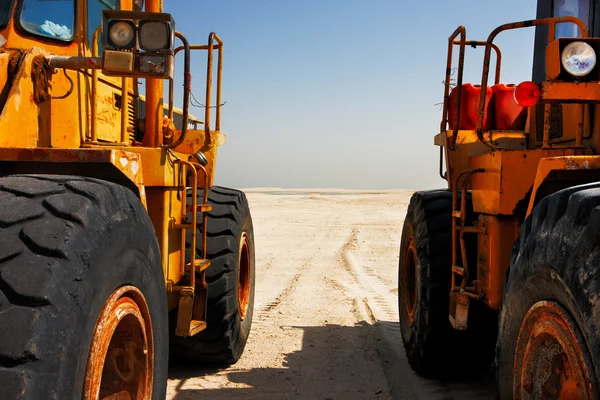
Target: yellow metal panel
79	161
108	116
565	163
19	125
485	187
164	204
66	127
508	179
195	140
469	145
161	170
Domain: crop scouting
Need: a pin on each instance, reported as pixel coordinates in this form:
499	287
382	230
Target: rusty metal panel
553	67
494	248
573	92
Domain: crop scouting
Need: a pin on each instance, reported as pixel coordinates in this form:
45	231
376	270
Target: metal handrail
516	25
210	47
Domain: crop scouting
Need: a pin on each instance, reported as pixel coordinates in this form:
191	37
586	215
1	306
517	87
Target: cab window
94	17
574	8
51	18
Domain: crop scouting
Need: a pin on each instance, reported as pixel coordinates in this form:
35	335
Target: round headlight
121	34
578	58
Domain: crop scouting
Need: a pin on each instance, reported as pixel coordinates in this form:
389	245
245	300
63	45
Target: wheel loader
116	249
501	269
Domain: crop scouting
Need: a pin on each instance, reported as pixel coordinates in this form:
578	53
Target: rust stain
168	130
121	358
549	361
41	74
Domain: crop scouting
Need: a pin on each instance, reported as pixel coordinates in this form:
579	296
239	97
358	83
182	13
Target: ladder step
200	208
196	327
182	226
458	270
200	265
456	214
470	229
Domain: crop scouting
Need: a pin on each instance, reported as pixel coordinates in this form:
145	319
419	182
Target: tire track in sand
264	313
262	316
374	302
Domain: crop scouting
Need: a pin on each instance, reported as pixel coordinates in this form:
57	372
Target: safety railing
551	22
462	43
214	43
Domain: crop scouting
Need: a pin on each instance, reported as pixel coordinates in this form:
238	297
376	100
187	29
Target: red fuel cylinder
469	107
508	114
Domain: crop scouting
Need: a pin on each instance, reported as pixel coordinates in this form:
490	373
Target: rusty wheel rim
244	276
410	280
551	361
121	360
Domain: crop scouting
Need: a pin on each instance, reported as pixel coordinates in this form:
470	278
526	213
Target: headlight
154	35
121	34
578	58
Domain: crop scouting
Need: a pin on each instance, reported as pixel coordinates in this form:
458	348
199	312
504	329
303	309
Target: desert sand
326	314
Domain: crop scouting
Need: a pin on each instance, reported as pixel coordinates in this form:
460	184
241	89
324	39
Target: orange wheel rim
551	361
121	359
244	274
410	280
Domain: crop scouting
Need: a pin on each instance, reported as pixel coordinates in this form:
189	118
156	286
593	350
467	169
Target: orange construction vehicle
506	261
114	244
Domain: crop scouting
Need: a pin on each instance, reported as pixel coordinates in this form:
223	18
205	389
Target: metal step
458	270
200	265
199	208
186	326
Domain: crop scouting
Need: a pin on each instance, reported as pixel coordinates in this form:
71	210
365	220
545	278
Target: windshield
50	18
5	11
573	8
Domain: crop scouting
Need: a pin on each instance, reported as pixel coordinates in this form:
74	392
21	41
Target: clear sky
339	93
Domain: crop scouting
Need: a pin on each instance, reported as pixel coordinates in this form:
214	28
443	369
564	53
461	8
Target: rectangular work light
138	44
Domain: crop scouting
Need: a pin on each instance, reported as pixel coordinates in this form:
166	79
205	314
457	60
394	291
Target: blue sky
340	93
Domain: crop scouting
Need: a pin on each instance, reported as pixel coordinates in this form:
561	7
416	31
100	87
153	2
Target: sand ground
325	316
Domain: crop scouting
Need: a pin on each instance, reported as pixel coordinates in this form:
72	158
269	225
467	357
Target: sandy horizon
326	190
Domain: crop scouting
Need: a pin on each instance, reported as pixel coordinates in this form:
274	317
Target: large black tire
66	244
224	339
555	261
432	345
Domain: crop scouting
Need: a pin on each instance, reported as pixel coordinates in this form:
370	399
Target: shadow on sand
336	362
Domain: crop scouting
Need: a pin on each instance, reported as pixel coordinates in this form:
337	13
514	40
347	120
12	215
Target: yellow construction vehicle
505	262
114	245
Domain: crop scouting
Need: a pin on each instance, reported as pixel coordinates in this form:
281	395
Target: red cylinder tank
508	114
469	107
